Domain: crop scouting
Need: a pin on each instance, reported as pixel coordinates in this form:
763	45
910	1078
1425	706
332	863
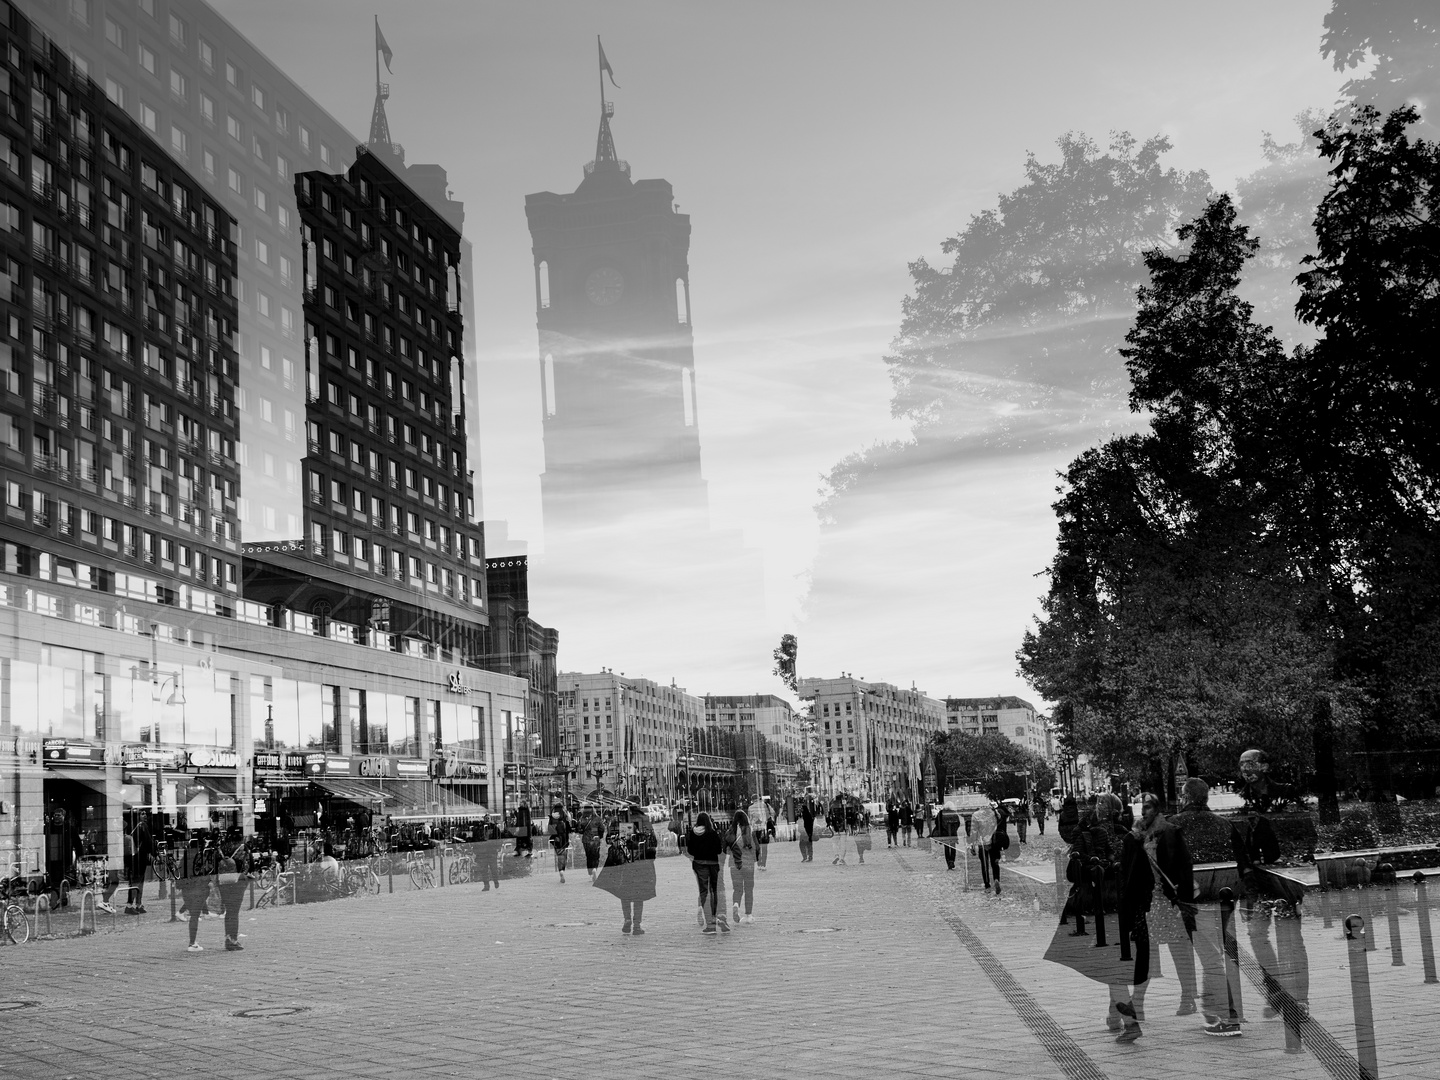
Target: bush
1355	832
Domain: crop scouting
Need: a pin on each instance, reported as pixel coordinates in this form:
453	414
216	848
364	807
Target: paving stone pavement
878	970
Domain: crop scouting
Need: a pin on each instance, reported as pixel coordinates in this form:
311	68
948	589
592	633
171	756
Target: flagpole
600	50
377	55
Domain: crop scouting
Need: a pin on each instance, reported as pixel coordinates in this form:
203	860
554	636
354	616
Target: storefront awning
91	778
363	792
454	804
221	790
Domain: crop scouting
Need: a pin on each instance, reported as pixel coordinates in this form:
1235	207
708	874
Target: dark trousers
592	855
562	857
1020	828
137	884
234	897
949	854
989	864
892	836
1040	825
707	876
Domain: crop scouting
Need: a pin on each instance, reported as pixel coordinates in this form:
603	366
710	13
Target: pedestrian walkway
882	970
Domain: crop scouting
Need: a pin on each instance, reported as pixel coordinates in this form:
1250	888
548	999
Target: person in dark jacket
560	838
142	847
907	820
592	833
195	881
745	847
629	870
1021	814
807	839
232	880
892	823
1156	904
1040	810
705	845
947	830
524	843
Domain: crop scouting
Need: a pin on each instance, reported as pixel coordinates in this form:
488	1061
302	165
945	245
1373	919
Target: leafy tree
785	656
1400	37
991	762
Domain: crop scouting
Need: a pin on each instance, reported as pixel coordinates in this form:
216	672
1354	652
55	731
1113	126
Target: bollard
1097	875
1422	913
1230	953
1061	885
174	915
390	871
442	867
1367	911
42	906
1391	900
1360	998
89	895
1327	916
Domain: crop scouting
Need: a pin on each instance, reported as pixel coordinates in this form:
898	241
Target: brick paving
885	970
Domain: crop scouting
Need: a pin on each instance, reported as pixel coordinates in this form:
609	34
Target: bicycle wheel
17	926
417	875
382	866
372	881
457	872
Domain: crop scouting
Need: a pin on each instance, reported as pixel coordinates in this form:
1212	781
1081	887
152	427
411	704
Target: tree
785	656
1399	38
991	762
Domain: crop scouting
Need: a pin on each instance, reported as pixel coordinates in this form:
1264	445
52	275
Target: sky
818	148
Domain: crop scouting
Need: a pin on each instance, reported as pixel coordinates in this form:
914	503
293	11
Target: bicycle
274	884
422	872
361	879
14	926
163	865
462	863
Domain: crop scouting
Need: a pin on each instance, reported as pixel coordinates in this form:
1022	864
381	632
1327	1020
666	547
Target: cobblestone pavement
884	970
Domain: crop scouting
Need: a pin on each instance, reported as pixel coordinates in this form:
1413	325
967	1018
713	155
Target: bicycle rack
42	906
88	895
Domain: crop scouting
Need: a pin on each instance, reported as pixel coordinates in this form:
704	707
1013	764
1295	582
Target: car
655	812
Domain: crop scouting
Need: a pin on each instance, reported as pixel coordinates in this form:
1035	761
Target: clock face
604	286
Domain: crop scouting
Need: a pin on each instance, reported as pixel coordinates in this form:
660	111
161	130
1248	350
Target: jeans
742	883
892	836
707	876
949	855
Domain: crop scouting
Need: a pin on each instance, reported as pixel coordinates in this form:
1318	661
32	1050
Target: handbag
826	832
227	872
862	841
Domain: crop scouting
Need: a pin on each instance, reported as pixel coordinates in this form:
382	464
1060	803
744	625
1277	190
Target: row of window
387	212
89	526
417	484
392	562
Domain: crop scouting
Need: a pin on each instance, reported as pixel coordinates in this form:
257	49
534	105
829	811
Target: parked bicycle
274	886
462	863
14	926
422	871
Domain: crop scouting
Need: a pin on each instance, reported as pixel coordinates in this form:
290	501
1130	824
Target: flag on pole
605	68
384	49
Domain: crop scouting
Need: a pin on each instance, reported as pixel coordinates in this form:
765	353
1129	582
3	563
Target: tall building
518	645
626	511
1013	717
158	439
762	714
874	735
622	435
624	734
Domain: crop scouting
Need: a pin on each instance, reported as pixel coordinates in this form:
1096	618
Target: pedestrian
195	881
232	876
488	853
524	844
839	838
141	847
745	847
946	829
1022	819
592	832
988	839
907	820
767	837
1040	810
629	870
807	835
560	838
704	846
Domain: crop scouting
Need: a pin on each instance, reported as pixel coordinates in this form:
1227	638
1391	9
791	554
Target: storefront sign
149	757
276	761
286	546
373	767
210	758
457	686
408	768
72	753
315	765
458	770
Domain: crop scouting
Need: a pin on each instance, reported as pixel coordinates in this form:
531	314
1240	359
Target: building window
232	75
147	59
232	125
114	33
178	29
257	95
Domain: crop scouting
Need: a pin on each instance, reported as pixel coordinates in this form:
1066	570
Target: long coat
629	870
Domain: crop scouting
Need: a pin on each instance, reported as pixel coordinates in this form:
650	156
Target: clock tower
617	363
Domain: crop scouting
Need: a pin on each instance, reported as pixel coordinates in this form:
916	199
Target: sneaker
636	932
1130	1034
749	920
700	916
1187	1008
103	906
562	877
140	910
625	929
195	948
1223	1029
707	930
724	927
233	946
130	909
735	909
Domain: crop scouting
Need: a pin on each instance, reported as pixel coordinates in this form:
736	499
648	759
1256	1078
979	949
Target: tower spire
379	123
605	142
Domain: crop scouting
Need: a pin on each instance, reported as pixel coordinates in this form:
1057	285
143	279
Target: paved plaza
890	969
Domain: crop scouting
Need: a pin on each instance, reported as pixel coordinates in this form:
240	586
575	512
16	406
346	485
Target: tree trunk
1326	786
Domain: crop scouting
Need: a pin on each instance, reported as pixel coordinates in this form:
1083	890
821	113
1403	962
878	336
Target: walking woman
141	847
591	833
629	870
744	847
807	837
195	881
840	837
560	838
705	846
232	879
